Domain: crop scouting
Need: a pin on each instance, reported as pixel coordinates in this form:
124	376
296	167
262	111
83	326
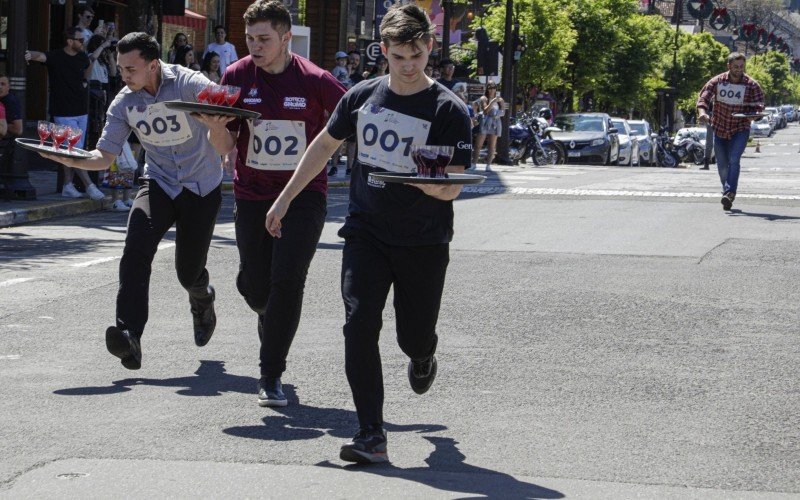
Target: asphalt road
605	333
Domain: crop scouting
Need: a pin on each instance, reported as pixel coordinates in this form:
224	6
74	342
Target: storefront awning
190	19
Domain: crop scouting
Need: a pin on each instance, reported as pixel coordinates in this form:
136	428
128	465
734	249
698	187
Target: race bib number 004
159	126
385	138
276	144
731	93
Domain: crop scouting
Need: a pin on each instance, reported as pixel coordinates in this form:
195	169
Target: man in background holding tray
732	92
182	187
396	235
294	97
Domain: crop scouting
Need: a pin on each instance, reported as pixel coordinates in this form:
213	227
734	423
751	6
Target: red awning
190	19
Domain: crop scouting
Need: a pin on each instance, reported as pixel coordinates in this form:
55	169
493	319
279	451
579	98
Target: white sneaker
69	191
94	193
120	206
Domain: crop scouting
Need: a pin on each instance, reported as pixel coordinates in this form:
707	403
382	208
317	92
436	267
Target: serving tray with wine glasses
63	151
413	178
212	109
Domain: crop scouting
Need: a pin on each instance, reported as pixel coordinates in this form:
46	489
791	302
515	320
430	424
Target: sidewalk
50	204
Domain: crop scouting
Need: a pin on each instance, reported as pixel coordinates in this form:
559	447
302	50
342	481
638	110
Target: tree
699	58
778	86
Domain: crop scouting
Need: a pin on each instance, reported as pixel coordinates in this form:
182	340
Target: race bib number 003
385	138
159	126
276	144
731	93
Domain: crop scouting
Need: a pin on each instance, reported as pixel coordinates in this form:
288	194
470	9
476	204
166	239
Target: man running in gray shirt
182	187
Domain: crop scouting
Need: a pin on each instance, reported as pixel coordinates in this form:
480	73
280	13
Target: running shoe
125	345
727	201
204	318
94	193
421	374
70	191
270	392
333	171
367	447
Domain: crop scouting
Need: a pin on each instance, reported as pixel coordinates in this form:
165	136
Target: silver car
628	143
647	145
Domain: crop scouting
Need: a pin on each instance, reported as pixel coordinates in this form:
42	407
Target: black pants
272	271
369	269
152	215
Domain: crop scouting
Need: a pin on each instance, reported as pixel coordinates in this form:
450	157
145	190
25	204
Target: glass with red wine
45	129
60	133
74	135
430	160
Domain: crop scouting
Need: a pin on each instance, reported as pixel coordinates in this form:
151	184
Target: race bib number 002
385	138
159	126
731	93
276	144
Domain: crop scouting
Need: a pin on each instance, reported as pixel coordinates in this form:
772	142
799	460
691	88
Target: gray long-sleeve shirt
178	153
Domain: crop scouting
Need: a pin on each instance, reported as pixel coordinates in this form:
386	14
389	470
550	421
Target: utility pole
507	90
446	29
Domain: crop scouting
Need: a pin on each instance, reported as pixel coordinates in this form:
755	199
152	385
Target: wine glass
431	160
74	135
60	133
232	93
204	94
217	95
45	129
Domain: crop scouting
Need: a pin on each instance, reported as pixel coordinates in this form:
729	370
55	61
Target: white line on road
9	356
15	281
610	192
162	246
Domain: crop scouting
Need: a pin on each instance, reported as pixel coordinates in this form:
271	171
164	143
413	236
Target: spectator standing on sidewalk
68	70
731	93
396	235
182	187
491	109
85	16
447	68
341	72
211	67
103	72
178	41
226	50
13	109
294	97
185	57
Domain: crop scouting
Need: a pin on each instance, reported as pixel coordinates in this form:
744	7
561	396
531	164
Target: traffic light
487	53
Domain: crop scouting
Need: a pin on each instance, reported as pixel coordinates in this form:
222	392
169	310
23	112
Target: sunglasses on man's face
89	16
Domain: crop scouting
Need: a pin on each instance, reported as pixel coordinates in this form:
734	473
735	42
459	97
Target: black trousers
369	269
272	271
152	215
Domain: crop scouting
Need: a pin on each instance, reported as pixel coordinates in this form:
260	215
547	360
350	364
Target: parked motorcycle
530	136
665	154
689	148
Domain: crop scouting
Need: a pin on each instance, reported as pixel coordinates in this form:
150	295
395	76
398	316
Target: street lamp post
671	106
446	28
507	90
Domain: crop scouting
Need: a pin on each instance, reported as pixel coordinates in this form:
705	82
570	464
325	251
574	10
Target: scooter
665	154
689	148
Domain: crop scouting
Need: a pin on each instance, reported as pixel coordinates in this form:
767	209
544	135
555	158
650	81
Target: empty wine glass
74	135
45	129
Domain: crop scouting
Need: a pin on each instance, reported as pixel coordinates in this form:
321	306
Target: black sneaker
270	392
205	319
333	171
126	346
367	447
727	201
421	374
348	171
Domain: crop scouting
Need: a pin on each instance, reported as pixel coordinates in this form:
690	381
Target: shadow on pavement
770	217
471	480
18	245
210	379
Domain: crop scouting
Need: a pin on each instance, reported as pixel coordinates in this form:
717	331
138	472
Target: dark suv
588	137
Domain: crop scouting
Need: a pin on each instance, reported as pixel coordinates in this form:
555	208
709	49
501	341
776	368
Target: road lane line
611	192
15	281
162	246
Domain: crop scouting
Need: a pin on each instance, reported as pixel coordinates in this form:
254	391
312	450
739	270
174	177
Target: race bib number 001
276	144
159	126
385	138
730	93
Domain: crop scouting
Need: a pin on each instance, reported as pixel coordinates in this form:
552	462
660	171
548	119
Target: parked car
647	145
628	143
778	118
588	136
761	128
788	111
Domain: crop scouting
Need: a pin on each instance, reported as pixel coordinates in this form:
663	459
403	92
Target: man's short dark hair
445	62
272	11
70	32
220	27
735	56
354	52
146	45
405	24
86	9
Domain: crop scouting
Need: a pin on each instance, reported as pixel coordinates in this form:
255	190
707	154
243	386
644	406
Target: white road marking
610	192
15	281
162	246
9	356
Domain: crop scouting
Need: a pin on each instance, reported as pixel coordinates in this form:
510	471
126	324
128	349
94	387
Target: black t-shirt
386	125
69	93
356	77
447	83
13	107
